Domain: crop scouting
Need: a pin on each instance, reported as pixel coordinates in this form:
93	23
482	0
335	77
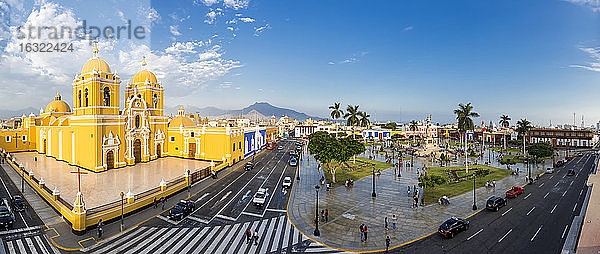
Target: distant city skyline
537	60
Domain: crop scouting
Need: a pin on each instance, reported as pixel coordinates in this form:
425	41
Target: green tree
413	126
540	150
351	117
364	119
523	127
331	152
391	126
336	113
464	113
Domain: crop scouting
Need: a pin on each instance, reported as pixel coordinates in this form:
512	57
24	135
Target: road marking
530	211
556	184
277	210
574	207
18	230
571	184
541	185
580	192
546	194
203	196
225	217
536	232
527	196
553	208
225	196
506	211
564	232
166	219
550	178
564	193
198	219
505	235
252	214
469	238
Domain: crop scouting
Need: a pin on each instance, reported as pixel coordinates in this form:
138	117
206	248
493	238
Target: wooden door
110	160
158	151
137	150
192	150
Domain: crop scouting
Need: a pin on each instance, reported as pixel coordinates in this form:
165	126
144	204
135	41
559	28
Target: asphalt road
230	199
537	221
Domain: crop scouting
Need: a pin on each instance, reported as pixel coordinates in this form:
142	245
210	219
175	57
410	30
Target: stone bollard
55	194
129	197
163	185
42	183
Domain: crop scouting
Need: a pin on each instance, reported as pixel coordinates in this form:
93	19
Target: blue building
255	139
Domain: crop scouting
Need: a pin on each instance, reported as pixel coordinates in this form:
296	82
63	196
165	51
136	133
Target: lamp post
317	233
474	204
122	194
373	194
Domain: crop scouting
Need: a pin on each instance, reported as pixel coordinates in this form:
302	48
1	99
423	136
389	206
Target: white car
549	170
287	182
260	197
280	148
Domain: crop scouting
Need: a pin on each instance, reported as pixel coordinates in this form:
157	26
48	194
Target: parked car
293	153
287	182
560	163
280	148
494	203
293	162
249	166
181	209
452	226
514	191
571	172
260	197
549	170
7	217
18	203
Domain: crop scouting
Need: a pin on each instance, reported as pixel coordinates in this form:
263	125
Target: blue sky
398	60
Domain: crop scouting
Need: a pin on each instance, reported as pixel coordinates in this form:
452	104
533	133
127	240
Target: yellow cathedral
97	134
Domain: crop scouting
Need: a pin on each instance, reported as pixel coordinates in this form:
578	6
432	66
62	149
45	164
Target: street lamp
317	233
373	194
474	204
122	194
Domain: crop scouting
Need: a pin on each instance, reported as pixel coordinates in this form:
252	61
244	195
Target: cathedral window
106	96
172	139
8	139
86	97
155	100
79	98
192	134
137	121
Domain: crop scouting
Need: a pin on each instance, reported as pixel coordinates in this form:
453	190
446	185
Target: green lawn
499	149
432	195
343	174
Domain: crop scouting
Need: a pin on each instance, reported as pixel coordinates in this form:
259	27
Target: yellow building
97	134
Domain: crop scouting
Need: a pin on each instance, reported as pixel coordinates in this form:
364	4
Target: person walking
255	237
154	201
387	244
162	200
386	223
100	224
322	215
326	215
394	220
366	232
248	236
362	232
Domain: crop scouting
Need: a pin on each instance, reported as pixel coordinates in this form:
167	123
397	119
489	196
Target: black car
180	210
249	166
452	226
18	203
494	203
571	172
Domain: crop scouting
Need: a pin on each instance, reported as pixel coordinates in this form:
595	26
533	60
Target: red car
515	191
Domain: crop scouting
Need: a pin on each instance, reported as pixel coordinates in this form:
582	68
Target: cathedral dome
95	63
144	75
181	120
58	106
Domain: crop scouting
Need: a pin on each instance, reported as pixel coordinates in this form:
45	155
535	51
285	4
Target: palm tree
364	119
351	117
523	127
336	113
413	126
504	121
465	123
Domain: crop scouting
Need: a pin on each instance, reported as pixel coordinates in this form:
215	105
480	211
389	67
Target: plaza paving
348	208
104	187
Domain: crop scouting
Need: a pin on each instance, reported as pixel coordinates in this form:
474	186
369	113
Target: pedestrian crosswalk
31	244
276	235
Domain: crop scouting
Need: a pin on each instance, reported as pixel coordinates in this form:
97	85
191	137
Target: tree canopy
540	150
333	151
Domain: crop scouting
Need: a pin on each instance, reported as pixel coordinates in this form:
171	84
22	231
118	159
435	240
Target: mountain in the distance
256	111
7	114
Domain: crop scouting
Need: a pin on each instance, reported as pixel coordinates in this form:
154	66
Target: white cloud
331	63
230	28
174	30
211	16
259	30
356	57
408	28
233	4
592	4
595	55
247	20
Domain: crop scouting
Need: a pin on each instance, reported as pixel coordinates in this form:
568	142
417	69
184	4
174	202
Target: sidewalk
59	231
348	208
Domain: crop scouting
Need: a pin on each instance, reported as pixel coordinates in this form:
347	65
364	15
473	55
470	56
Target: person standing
100	224
248	236
366	231
162	200
154	201
362	232
387	244
394	219
326	215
